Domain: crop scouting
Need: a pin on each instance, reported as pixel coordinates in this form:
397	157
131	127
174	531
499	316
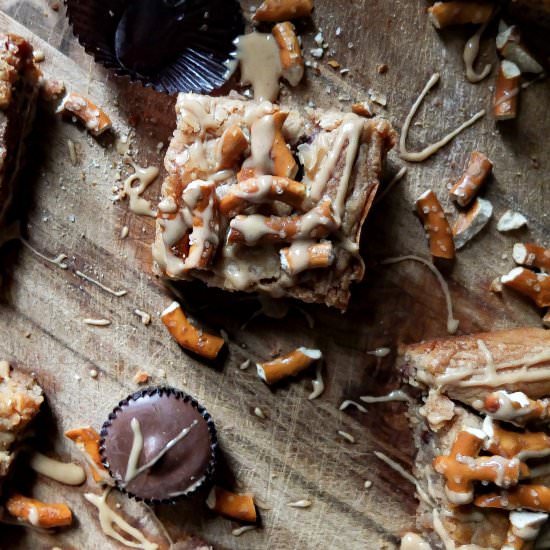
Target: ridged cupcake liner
204	44
160	391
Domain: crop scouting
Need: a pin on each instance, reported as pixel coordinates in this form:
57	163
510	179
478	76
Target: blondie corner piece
267	199
20	400
481	436
19	79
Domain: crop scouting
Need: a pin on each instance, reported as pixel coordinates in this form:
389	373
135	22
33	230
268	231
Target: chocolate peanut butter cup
169	45
159	445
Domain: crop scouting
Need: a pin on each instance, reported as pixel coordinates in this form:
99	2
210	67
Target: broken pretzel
290	53
521	445
232	147
251	230
461	467
262	189
287	365
303	255
530	497
188	336
436	225
87	440
232	505
532	255
445	14
271	11
477	170
507	90
95	119
37	513
533	285
282	161
516	407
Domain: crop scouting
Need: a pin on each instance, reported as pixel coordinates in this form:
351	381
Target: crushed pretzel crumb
142	377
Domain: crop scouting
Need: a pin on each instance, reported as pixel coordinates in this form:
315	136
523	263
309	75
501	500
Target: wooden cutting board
295	452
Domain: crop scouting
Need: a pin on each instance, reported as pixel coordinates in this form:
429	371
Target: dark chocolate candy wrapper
184	469
169	45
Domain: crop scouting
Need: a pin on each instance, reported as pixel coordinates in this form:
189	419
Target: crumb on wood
142	377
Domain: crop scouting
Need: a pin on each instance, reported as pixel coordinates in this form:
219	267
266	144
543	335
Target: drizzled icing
433	148
241	263
348	139
132	470
64	472
258	54
145	176
471	51
108	519
262	135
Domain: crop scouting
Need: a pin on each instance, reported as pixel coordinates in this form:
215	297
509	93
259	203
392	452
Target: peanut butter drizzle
64	472
471	51
132	470
434	147
145	176
108	518
258	54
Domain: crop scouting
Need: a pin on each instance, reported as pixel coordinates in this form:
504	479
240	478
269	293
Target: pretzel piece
524	529
271	11
262	189
445	14
232	147
529	496
516	407
477	170
87	440
362	109
510	444
232	505
287	365
532	255
462	466
37	513
436	225
251	230
94	118
290	52
189	337
507	90
303	255
533	285
283	163
200	197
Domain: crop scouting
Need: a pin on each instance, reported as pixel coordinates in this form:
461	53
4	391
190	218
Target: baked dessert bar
263	198
19	78
481	434
20	400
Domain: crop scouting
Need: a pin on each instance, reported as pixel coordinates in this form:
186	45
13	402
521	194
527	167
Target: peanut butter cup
170	45
159	445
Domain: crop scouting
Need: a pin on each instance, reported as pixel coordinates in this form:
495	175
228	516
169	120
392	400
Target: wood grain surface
295	452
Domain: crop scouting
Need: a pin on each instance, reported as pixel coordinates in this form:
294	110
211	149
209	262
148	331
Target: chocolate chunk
177	456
